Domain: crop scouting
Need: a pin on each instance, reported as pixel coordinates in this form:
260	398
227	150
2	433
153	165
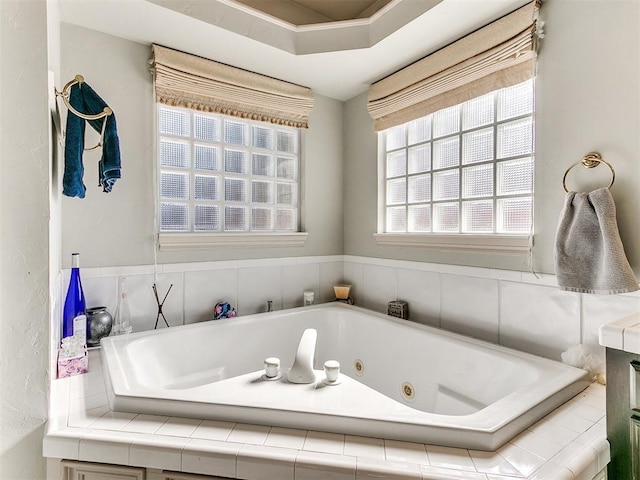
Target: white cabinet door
94	471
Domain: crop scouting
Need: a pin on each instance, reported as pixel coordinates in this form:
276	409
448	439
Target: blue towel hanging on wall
85	100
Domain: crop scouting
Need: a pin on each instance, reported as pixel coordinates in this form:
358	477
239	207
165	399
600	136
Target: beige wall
24	237
117	228
587	98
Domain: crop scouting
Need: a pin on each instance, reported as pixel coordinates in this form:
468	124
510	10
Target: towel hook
64	94
590	160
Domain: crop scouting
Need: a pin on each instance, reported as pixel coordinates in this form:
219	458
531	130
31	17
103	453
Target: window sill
201	241
511	244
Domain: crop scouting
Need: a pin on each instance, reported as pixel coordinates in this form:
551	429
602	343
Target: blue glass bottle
74	304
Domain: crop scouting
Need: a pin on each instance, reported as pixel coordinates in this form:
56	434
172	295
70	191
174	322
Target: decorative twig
160	305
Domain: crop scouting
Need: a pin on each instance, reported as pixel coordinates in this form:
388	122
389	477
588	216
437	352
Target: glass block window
224	174
463	169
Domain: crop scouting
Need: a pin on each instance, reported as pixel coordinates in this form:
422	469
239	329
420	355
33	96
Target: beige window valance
190	81
498	55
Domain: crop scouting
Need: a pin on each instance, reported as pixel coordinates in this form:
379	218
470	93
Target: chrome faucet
269	305
302	369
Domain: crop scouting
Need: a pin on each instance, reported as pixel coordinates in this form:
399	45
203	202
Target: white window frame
469	242
193	239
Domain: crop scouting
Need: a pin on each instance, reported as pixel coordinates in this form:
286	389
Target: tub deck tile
365	447
286	438
376	469
449	457
144	423
314	465
493	462
324	442
439	473
213	430
179	427
525	462
249	434
537	444
398	451
256	462
210	457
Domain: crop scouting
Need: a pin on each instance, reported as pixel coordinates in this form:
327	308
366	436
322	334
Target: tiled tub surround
511	308
568	444
464	392
515	309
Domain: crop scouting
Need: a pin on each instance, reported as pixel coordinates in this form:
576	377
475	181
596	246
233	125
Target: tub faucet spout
302	369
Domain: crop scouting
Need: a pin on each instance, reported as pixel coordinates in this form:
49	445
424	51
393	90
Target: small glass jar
308	298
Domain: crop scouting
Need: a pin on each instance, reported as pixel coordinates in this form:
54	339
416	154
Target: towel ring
590	160
65	98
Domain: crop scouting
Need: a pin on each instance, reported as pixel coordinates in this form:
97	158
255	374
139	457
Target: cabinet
95	471
73	470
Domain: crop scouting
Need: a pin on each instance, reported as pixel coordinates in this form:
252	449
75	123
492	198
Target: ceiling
338	58
307	12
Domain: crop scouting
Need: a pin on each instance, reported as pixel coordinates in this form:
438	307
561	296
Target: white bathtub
467	393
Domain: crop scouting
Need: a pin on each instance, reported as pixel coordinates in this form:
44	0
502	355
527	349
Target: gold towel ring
590	160
65	93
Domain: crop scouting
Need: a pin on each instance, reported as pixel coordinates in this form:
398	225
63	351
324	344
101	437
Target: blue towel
85	100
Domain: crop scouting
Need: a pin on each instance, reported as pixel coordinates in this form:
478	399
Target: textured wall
24	236
587	98
117	228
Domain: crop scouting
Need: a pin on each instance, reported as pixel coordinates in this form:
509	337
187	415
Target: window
466	169
221	174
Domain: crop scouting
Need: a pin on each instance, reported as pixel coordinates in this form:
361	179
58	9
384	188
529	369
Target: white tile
421	290
62	444
88	402
565	417
331	274
448	457
210	457
354	276
213	430
88	384
525	462
179	427
257	285
438	473
429	267
153	451
398	451
372	468
553	432
286	438
477	315
380	286
538	319
537	444
270	463
552	471
297	279
364	447
250	434
100	291
143	305
325	466
324	442
511	275
602	309
112	420
204	289
492	462
85	418
144	423
106	446
580	460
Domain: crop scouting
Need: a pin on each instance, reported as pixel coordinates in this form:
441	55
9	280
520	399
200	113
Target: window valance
498	55
190	81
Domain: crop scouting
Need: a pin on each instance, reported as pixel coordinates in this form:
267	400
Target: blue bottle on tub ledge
74	319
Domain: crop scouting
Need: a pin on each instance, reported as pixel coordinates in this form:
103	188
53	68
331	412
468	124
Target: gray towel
588	253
